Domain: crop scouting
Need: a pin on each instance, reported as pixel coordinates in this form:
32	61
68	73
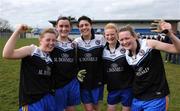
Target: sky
37	13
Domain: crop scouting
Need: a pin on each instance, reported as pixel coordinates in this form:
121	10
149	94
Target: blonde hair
130	29
48	30
111	26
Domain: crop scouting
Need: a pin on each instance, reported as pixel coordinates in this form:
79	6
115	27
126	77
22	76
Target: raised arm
9	51
171	48
170	34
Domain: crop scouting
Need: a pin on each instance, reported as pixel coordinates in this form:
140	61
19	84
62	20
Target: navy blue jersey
150	80
90	58
35	77
119	75
65	66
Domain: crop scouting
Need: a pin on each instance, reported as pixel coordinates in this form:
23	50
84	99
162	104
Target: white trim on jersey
65	46
107	55
39	53
141	55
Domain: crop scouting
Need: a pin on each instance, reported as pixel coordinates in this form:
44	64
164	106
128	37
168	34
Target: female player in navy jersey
67	92
119	75
150	86
35	74
89	51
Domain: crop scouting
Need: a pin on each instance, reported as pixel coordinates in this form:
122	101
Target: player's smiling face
47	42
63	27
85	28
111	36
127	40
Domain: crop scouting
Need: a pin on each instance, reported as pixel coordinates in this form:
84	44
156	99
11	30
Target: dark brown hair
85	18
63	18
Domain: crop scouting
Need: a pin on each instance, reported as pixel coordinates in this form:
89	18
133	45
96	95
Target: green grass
9	81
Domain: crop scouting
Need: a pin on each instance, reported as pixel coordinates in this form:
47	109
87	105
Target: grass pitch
9	82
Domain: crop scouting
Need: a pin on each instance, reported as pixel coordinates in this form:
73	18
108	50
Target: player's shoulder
99	36
77	39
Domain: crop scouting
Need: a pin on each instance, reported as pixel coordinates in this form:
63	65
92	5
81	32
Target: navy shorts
92	96
47	103
124	97
68	95
158	104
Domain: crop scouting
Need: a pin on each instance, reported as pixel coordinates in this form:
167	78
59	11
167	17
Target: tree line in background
6	30
5	26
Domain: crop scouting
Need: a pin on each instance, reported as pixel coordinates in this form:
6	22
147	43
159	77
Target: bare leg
111	108
167	102
91	107
70	108
96	107
125	108
88	107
